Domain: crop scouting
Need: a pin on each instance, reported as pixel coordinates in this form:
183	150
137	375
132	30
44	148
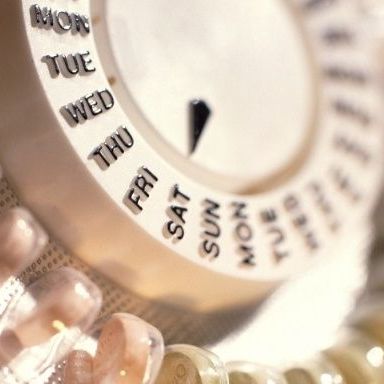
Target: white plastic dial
251	63
89	149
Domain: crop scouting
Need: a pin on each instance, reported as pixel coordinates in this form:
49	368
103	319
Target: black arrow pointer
199	116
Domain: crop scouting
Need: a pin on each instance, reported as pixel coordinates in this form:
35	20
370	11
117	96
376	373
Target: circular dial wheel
217	85
198	153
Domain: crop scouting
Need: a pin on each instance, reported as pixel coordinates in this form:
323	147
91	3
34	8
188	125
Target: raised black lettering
41	16
211	249
177	214
69	65
114	146
175	230
212	230
240	209
141	187
275	233
59	21
88	106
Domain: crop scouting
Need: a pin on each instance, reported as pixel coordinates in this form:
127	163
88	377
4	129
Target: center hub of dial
213	85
